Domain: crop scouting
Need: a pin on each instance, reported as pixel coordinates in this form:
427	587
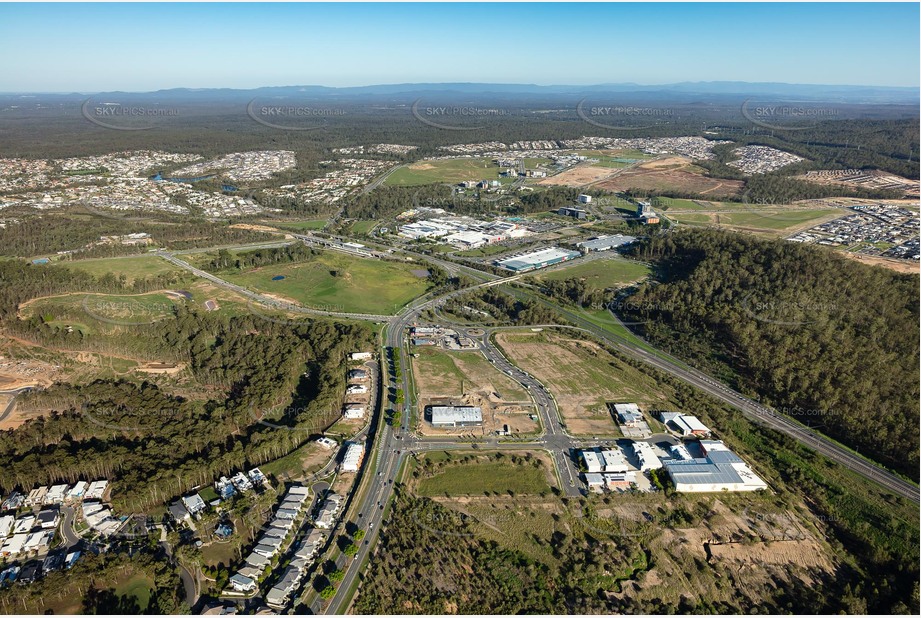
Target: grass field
439	373
484	251
303	461
339	282
478	477
602	273
445	170
137	587
314	224
769	221
583	379
363	227
135	267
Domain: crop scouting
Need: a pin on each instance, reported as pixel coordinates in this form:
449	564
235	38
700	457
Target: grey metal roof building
604	243
537	259
720	471
456	416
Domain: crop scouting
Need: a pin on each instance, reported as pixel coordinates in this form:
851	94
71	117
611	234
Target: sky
143	47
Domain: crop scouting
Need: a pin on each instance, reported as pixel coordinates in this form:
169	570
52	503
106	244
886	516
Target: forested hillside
829	341
159	445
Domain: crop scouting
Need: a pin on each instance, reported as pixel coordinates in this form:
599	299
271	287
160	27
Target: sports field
583	379
335	281
602	273
443	171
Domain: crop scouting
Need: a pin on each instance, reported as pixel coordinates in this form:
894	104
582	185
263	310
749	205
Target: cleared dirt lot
671	174
582	377
466	378
578	176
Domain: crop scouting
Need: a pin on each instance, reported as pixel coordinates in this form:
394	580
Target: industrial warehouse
718	470
456	416
537	259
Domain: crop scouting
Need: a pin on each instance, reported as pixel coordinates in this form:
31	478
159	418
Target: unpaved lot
671	174
582	377
579	176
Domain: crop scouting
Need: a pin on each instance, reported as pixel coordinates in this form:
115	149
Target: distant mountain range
723	91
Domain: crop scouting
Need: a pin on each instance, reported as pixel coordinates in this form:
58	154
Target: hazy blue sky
88	48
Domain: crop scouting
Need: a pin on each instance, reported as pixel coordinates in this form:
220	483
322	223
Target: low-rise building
456	416
327	443
628	414
353	411
359	356
646	456
605	243
6	525
351	460
719	470
194	504
56	494
684	424
48	518
241	583
575	213
96	490
241	482
77	491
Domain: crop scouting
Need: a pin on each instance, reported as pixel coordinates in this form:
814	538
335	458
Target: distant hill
680	92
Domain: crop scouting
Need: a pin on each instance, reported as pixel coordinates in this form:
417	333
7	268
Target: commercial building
684	424
457	416
605	243
680	451
575	213
648	460
594	481
719	470
469	239
592	462
628	414
537	259
606	460
351	460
